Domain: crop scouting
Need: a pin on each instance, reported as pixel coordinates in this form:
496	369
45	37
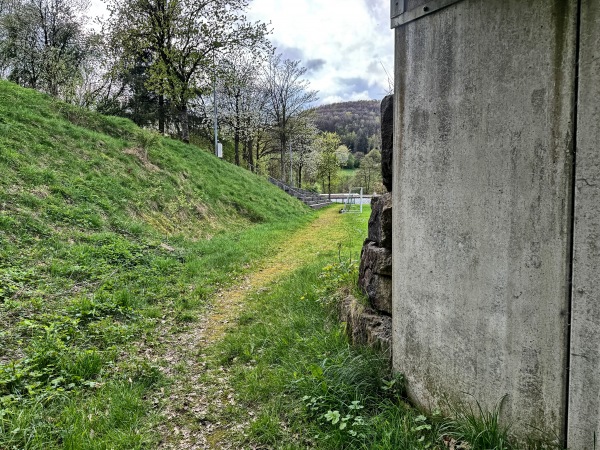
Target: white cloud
352	37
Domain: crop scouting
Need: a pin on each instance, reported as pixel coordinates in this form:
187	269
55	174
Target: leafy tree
328	163
288	97
362	142
349	139
42	44
124	90
369	173
358	156
345	182
351	162
183	38
375	141
343	155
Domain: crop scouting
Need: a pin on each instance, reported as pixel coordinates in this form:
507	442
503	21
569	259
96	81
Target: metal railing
307	197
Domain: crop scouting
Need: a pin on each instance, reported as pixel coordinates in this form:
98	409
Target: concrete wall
584	392
482	205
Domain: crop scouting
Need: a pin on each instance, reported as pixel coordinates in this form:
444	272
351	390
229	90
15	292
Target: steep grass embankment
105	230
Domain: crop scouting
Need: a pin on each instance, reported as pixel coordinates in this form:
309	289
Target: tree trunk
249	154
236	133
185	124
257	151
282	162
236	146
329	187
161	114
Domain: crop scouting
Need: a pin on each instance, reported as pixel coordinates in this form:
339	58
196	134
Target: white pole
291	183
361	198
215	101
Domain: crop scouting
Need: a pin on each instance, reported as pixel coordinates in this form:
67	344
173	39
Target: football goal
354	201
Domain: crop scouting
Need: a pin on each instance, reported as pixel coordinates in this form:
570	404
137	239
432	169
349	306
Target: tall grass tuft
479	428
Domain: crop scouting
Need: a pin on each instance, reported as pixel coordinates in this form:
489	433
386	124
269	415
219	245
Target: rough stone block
387	140
380	222
377	259
365	327
378	289
380	293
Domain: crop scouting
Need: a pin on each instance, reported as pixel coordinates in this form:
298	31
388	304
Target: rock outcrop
387	140
380	222
366	327
375	271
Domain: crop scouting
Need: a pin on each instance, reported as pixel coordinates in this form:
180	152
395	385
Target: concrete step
311	199
319	205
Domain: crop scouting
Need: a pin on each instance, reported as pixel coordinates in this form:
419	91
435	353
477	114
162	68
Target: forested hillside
357	123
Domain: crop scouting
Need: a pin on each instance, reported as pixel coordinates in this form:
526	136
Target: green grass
105	231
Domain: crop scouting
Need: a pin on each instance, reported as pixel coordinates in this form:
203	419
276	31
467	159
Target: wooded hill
357	123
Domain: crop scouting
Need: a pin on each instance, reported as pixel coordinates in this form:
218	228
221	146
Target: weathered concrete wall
482	193
584	393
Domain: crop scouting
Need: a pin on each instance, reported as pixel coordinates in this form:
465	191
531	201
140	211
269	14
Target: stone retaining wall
371	325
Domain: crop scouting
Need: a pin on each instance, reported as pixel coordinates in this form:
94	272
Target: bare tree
288	97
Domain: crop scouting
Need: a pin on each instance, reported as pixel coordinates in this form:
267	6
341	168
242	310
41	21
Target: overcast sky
344	44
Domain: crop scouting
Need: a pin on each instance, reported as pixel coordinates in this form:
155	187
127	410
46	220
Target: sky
345	45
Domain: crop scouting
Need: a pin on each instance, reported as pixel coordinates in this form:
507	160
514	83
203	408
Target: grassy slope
97	243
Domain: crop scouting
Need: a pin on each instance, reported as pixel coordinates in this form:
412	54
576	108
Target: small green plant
336	280
352	422
395	387
12	281
479	428
421	428
147	139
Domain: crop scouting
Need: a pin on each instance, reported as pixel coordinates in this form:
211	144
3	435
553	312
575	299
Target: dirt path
190	406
